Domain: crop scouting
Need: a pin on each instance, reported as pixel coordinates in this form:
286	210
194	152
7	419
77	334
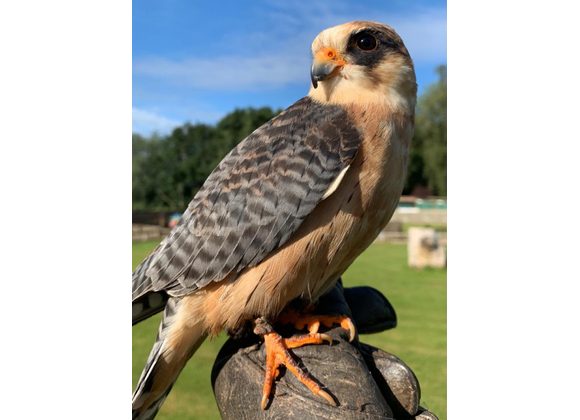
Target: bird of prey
285	212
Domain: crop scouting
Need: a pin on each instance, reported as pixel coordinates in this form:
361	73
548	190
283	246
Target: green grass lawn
420	339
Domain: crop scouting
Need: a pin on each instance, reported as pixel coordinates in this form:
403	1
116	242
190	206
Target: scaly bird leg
277	354
312	322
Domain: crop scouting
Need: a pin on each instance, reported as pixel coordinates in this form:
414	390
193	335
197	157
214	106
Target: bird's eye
366	42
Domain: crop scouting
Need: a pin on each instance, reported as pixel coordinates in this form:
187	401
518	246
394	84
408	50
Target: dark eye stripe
370	57
388	42
381	38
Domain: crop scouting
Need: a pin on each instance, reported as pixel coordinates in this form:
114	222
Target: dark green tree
428	158
140	150
238	124
168	171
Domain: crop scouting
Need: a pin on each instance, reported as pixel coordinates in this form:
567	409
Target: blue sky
195	61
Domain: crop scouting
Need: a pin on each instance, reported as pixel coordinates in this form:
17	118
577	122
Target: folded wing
255	199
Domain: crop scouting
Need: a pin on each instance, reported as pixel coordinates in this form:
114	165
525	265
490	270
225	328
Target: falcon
285	213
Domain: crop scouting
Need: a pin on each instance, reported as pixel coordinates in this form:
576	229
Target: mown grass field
420	339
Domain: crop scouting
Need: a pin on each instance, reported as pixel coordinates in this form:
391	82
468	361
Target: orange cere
330	54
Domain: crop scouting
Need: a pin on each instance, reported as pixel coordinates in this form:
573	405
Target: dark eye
366	42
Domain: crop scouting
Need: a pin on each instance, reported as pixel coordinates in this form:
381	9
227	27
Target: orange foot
312	322
277	354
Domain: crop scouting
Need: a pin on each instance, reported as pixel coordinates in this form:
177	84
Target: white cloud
424	30
232	72
147	122
294	24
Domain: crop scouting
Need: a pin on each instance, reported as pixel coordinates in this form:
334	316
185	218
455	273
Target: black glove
366	382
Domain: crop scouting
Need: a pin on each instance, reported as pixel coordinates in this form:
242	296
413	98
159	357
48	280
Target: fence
394	232
148	232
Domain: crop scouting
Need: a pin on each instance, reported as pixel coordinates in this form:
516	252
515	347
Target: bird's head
364	62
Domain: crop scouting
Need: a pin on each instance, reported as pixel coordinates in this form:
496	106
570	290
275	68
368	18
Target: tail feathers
148	305
176	342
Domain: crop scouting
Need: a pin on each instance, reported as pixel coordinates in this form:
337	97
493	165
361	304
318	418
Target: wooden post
424	249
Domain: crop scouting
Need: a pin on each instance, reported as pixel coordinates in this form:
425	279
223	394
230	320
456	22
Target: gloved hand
367	382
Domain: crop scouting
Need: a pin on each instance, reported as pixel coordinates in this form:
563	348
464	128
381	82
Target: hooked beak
326	61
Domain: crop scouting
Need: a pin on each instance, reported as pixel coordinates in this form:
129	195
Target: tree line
169	169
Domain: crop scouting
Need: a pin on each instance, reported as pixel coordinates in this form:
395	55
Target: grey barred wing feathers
255	199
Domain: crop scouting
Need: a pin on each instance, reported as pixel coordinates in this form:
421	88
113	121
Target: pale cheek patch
355	74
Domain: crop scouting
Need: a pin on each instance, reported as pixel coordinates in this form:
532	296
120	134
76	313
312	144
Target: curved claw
322	393
348	325
265	399
327	338
344	321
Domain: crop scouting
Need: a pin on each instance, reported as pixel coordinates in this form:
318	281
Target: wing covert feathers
256	198
175	344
